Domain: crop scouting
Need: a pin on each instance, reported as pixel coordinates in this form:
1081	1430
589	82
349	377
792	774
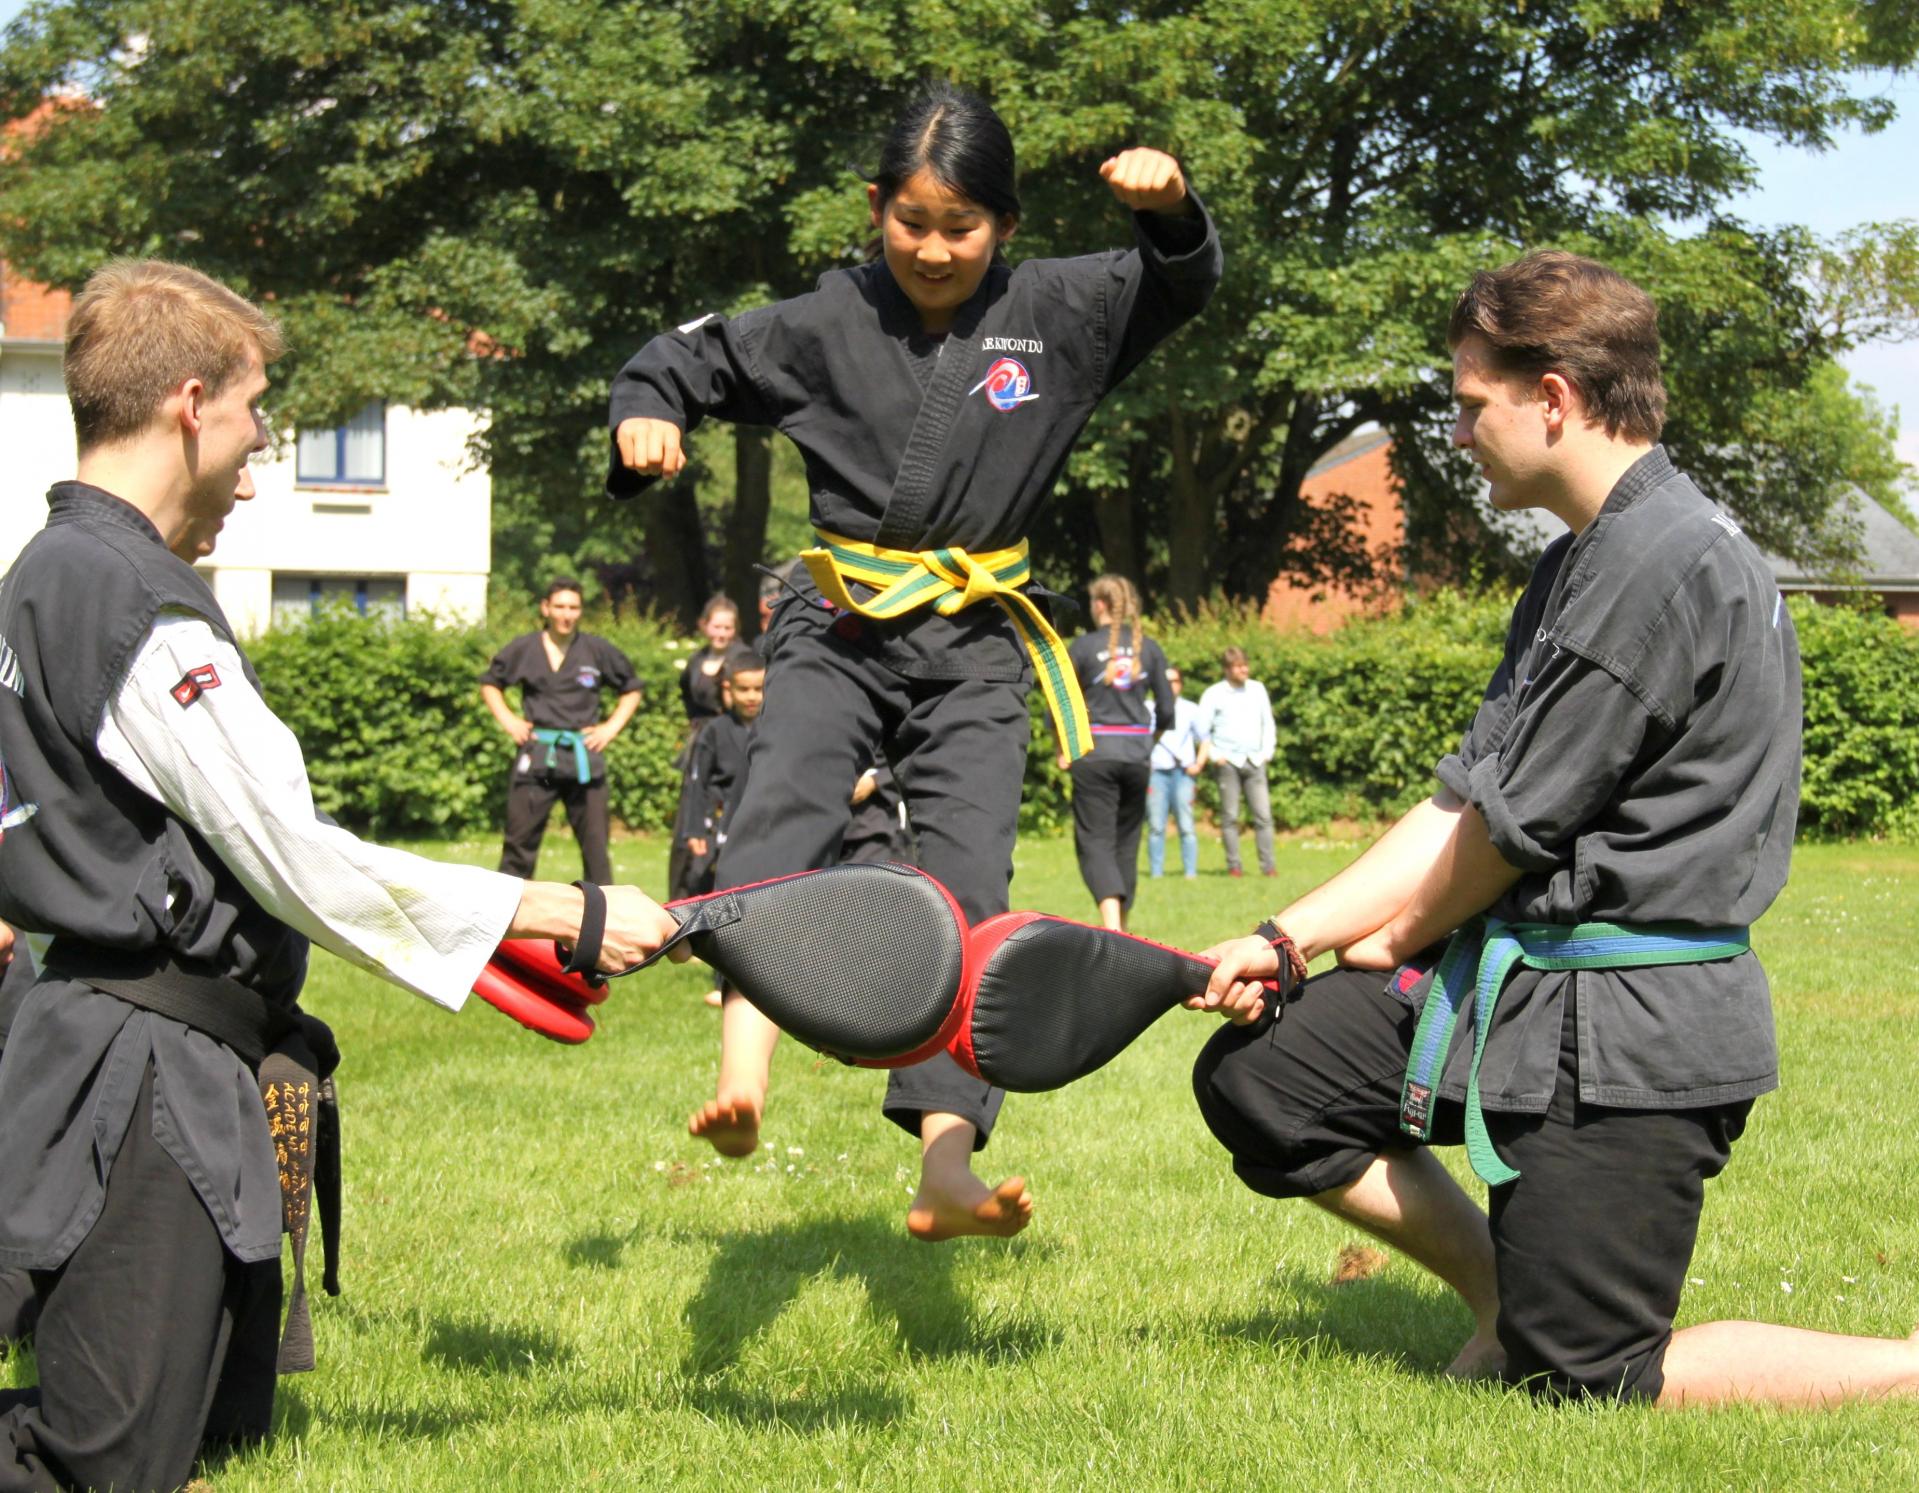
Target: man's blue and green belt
1482	957
559	741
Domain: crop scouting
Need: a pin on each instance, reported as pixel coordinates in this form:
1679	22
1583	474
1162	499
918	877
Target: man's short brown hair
143	327
1553	312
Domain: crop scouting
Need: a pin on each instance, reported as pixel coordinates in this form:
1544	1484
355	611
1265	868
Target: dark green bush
1862	724
398	743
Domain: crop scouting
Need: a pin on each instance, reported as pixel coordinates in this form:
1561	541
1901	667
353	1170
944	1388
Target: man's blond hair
143	327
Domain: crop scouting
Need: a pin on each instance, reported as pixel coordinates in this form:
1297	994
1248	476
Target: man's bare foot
1481	1358
714	998
1000	1212
730	1122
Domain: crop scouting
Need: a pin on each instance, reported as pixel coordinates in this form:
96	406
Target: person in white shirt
1179	756
160	831
1237	718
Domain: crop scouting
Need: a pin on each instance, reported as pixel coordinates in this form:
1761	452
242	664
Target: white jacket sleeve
186	728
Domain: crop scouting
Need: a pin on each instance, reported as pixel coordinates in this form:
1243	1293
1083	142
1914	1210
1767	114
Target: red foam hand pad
554	1017
537	964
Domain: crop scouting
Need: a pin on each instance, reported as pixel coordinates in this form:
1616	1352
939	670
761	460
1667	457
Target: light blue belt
557	742
1481	958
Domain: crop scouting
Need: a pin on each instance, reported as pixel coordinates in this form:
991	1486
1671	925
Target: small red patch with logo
194	683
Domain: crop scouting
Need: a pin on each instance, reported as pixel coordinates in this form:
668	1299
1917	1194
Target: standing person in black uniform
160	830
1619	811
934	394
701	683
719	761
1129	702
561	738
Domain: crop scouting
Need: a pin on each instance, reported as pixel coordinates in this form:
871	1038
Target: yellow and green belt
1482	957
950	581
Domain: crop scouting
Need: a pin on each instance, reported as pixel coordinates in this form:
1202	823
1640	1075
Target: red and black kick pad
525	979
1051	1000
863	962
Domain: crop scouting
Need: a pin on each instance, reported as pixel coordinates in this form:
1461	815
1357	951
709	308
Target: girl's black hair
956	135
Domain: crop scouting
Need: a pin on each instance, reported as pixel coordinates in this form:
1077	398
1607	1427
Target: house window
298	597
352	455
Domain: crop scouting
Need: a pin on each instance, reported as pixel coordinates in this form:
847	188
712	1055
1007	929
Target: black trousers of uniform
1109	807
1591	1244
530	800
154	1343
958	753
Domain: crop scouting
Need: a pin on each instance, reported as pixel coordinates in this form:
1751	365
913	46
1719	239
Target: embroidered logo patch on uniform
589	678
1007	384
194	683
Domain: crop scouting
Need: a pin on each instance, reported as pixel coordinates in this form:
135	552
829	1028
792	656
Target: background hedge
398	743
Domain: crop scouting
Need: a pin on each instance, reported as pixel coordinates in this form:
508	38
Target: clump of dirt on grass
1357	1262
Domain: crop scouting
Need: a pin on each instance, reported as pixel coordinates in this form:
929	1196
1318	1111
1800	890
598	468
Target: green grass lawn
549	1285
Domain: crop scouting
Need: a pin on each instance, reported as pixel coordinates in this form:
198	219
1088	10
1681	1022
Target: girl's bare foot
730	1122
939	1213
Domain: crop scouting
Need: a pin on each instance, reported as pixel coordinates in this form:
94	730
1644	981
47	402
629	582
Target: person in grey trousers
1236	716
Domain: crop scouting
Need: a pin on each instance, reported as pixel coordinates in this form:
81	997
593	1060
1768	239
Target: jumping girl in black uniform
934	394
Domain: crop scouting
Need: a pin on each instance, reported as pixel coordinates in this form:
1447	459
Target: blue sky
1863	179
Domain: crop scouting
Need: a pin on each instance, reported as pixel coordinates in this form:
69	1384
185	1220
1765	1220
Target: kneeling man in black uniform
1548	961
159	828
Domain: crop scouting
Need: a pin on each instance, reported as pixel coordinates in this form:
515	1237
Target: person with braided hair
1129	701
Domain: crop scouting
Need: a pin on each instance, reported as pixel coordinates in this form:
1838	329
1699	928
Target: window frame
335	481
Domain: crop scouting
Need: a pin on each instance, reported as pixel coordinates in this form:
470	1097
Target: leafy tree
492	202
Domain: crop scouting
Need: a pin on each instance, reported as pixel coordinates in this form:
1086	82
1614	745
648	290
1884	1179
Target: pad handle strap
583	958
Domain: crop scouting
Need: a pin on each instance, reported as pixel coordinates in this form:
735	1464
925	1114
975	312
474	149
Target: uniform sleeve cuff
1515	846
1176	241
1453	773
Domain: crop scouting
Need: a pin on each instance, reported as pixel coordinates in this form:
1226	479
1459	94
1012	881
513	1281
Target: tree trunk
1190	522
676	555
746	529
1118	547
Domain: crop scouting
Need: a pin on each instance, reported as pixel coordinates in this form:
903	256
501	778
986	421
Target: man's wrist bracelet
1288	950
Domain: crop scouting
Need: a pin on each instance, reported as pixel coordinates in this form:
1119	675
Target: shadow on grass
293	1418
1379	1318
490	1348
753	1277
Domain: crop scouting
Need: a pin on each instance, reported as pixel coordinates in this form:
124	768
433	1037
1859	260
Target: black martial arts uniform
562	699
874	833
718	770
19	1302
914	442
700	694
1129	701
1637	756
153	1230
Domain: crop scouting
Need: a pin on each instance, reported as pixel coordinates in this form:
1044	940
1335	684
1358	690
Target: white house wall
429	526
36	435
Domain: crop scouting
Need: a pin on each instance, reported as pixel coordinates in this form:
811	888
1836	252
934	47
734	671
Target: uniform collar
82	502
1642	477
